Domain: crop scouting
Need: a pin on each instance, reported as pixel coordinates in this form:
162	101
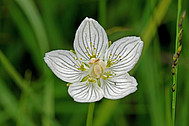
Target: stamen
87	83
68	84
91	80
108	74
93	51
73	51
113	60
109	44
80	65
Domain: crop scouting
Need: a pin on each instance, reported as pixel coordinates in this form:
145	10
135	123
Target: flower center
97	68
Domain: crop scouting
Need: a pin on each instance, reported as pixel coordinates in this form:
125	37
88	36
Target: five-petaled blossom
95	70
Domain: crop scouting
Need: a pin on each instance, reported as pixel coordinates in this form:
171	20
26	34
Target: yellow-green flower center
97	68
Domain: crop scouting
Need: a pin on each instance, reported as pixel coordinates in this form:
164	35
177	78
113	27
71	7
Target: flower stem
90	114
174	87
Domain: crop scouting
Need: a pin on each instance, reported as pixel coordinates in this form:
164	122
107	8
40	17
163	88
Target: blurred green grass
30	95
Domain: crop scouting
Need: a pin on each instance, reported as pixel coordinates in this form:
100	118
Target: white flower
94	70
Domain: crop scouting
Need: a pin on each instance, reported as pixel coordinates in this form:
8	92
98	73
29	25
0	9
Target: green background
31	95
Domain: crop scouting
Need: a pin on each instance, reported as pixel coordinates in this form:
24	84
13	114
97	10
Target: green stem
176	67
90	114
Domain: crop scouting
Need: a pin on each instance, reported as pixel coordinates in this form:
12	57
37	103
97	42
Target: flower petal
124	54
90	39
81	92
64	65
119	86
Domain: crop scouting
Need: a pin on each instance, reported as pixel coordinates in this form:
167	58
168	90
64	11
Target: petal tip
86	19
89	19
133	80
141	45
47	61
140	40
46	54
49	53
45	58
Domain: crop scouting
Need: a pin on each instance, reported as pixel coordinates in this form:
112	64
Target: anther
180	36
176	62
181	19
110	43
179	49
173	87
96	60
173	70
174	57
72	51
